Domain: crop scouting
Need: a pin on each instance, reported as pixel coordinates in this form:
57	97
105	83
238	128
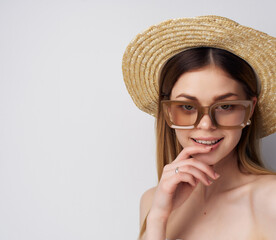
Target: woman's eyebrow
187	96
220	97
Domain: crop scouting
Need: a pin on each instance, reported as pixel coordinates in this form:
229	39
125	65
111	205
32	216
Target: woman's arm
145	204
155	227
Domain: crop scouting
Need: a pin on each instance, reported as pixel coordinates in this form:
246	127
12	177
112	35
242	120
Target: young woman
210	83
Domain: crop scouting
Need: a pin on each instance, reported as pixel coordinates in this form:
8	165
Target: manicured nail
217	175
210	182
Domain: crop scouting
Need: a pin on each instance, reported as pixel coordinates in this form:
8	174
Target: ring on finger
176	170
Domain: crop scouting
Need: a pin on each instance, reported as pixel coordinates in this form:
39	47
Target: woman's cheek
183	137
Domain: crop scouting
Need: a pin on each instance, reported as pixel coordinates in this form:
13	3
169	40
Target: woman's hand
175	186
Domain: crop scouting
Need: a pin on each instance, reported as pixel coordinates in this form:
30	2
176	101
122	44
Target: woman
206	80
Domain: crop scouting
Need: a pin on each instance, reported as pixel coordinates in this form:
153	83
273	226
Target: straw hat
148	51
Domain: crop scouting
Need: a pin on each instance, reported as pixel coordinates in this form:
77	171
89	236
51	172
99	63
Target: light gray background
76	154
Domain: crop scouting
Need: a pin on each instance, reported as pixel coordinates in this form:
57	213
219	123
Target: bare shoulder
145	203
265	184
264	190
264	199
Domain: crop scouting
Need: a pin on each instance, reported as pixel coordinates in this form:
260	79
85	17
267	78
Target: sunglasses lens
182	114
229	115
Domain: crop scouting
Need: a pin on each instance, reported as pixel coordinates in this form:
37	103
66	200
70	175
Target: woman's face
206	86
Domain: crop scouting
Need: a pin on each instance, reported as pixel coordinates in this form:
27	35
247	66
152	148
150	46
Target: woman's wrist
157	216
156	227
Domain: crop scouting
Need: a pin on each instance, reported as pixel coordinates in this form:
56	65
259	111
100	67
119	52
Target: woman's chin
206	158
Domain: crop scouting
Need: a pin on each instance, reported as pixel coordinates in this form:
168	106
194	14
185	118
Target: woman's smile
211	141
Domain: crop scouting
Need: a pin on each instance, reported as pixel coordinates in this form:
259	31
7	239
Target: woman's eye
187	107
225	107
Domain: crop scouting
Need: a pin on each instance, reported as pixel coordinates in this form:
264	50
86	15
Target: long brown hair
168	147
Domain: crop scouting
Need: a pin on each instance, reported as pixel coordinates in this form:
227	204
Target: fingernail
210	182
217	175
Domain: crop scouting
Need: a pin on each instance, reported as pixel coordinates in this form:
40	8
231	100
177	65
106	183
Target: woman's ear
254	100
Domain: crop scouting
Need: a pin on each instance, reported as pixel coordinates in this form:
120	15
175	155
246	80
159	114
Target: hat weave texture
149	51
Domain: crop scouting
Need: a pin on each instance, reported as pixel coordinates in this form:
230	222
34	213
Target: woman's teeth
207	142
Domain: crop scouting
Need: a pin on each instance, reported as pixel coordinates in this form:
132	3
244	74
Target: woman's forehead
207	83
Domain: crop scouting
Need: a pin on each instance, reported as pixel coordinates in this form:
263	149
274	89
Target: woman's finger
196	173
169	184
195	163
188	151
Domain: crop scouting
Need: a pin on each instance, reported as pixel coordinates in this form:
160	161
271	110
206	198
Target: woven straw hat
148	51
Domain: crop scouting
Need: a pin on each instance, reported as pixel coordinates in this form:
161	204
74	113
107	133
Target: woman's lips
212	142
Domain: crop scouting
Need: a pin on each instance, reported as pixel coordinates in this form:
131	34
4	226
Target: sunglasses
233	114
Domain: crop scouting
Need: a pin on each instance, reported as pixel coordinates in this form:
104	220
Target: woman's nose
206	122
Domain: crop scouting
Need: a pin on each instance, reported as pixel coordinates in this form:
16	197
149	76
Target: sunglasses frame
202	110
